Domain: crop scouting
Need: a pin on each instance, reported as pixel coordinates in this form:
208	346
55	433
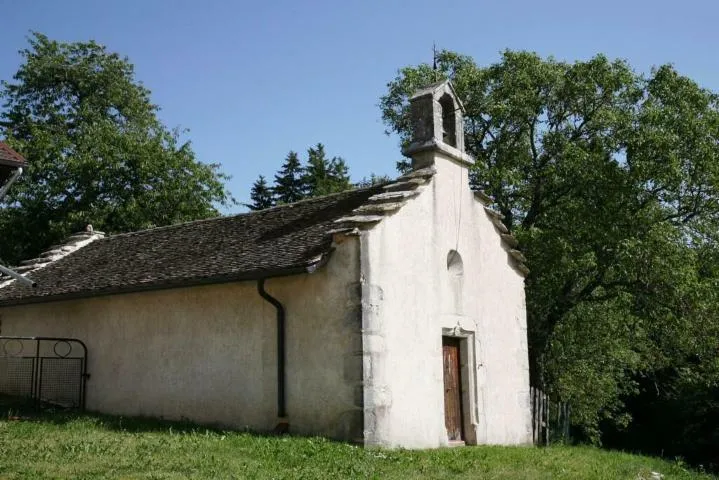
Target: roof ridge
72	244
77	241
307	200
250	213
281	240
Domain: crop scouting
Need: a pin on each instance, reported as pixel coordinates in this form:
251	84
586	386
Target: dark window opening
449	125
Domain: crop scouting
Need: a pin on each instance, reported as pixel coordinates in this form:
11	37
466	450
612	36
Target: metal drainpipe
283	426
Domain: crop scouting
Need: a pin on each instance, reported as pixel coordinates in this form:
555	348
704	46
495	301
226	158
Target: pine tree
289	186
324	176
261	195
294	182
373	179
338	175
315	176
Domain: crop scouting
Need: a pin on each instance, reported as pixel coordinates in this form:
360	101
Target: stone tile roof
282	240
10	157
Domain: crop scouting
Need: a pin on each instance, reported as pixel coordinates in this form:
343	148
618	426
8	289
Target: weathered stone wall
208	354
411	299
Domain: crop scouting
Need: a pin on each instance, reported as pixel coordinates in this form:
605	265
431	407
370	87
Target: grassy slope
88	446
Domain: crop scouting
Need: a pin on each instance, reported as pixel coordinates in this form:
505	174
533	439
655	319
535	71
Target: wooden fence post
546	418
533	396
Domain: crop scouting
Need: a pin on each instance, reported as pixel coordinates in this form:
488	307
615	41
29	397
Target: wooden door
452	389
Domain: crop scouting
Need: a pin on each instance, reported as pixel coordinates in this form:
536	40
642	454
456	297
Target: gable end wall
410	301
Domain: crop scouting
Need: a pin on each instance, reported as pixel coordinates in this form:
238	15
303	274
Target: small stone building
392	315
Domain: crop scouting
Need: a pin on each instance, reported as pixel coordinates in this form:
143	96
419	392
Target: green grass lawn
64	445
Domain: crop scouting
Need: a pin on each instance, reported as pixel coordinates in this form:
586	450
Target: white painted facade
441	267
411	299
208	354
364	332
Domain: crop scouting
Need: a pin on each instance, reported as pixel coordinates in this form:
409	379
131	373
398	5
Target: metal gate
45	370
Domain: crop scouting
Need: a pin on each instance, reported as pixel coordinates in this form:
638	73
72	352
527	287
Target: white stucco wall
208	353
364	335
409	301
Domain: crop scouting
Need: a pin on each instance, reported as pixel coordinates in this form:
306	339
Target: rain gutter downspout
315	263
283	426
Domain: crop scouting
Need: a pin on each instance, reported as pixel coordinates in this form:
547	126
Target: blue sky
253	80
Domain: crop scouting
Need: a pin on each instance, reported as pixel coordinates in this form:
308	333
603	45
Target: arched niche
455	271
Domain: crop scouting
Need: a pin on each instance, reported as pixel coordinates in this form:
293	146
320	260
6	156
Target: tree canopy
289	186
97	153
261	195
609	180
319	176
324	175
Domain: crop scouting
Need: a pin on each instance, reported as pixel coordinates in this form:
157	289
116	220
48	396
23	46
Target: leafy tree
96	151
289	186
261	195
323	175
609	180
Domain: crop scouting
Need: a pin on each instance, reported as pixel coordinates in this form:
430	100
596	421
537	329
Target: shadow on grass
23	410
